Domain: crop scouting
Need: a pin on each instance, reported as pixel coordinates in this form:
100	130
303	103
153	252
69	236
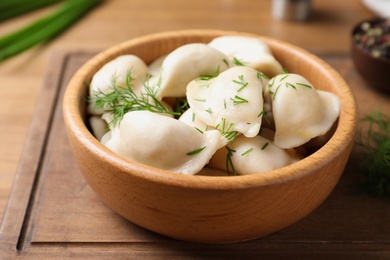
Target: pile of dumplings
246	114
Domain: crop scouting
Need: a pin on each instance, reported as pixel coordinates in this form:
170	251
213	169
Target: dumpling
98	126
249	52
189	117
163	142
117	71
231	102
300	111
187	63
251	156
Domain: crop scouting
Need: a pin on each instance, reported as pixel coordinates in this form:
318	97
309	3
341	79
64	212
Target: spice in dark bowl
371	52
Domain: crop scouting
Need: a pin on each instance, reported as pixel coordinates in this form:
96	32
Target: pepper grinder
297	10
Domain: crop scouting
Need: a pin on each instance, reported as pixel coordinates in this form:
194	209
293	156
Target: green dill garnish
226	63
196	151
199	130
288	84
238	100
121	100
193	117
181	105
224	103
265	146
241	82
261	76
264	114
229	162
226	130
283	78
209	110
303	85
247	151
274	93
271	84
374	139
238	62
200	100
285	71
209	76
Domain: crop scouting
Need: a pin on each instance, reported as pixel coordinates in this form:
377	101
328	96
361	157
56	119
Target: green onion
45	28
12	8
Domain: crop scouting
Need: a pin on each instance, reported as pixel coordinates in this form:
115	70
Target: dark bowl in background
374	70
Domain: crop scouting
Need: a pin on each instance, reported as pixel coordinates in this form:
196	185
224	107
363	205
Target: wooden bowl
210	209
374	70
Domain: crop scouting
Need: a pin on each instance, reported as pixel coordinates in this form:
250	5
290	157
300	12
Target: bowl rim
341	138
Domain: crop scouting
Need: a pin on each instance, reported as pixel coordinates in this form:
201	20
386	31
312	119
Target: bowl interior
150	47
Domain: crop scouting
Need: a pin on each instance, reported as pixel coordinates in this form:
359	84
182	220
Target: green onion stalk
45	28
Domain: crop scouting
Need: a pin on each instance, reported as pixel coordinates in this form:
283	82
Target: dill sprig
196	151
209	76
238	62
181	106
226	130
241	82
121	100
229	162
375	161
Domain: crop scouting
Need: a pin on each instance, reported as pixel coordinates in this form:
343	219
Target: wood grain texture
22	77
258	205
68	219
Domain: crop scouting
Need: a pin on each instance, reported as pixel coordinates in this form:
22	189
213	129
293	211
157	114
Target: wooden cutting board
53	213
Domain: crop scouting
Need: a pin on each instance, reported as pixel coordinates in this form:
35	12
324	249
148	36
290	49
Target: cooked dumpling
98	126
189	117
163	142
231	102
116	72
187	63
300	111
249	52
251	155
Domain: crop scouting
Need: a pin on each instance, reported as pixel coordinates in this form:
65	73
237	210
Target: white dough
162	142
225	103
116	71
98	126
189	62
249	51
251	156
300	111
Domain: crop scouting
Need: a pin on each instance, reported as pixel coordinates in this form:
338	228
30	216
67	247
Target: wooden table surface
23	77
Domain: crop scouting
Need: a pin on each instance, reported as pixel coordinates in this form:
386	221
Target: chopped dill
288	84
241	82
238	100
265	146
209	76
229	162
196	151
247	151
238	62
303	85
261	76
